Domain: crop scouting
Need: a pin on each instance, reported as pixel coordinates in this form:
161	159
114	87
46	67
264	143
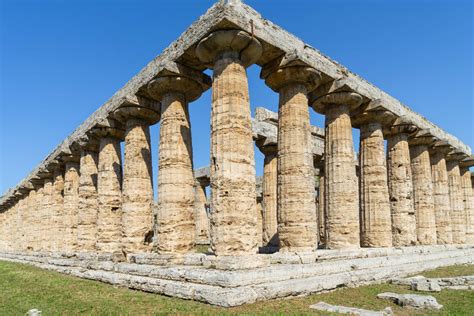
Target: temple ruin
320	217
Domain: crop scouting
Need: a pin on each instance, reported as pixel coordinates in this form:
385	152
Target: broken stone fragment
426	286
321	306
412	300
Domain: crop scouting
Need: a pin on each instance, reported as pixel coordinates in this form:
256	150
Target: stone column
31	202
321	208
57	223
458	215
87	199
233	197
297	223
423	190
200	214
400	184
175	219
341	183
269	191
37	215
441	194
375	217
71	203
109	184
137	217
468	195
46	234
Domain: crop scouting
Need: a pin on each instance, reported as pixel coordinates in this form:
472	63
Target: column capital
456	155
109	128
401	125
347	98
422	137
88	142
287	70
268	149
139	108
220	43
191	89
467	162
440	146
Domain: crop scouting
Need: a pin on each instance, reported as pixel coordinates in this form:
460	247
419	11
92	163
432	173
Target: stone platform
232	281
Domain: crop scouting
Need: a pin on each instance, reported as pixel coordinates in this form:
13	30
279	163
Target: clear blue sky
60	60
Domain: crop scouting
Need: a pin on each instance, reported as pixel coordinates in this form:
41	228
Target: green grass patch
23	287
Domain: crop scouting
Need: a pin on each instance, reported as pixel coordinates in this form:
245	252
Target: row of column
407	196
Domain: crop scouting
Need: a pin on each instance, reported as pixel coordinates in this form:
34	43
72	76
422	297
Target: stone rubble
322	306
412	300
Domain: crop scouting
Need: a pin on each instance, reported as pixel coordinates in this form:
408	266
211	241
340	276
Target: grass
23	287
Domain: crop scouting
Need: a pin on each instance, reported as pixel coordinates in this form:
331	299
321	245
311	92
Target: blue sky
60	60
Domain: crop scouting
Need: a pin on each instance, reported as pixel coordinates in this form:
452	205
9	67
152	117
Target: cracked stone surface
423	195
109	185
412	300
322	306
457	212
71	205
270	224
375	207
441	198
233	196
137	193
201	218
88	201
401	190
468	198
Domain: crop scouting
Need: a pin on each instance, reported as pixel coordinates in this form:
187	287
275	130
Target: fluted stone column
46	234
400	185
200	214
57	223
31	220
233	203
423	190
375	215
468	198
441	195
321	208
297	222
37	218
270	201
341	183
87	200
137	218
71	203
458	215
109	184
175	219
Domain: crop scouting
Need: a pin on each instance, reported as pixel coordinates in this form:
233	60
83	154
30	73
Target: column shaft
109	218
270	223
57	211
468	204
88	203
458	215
342	203
401	191
374	199
71	205
175	220
322	209
441	198
137	218
423	195
234	212
200	214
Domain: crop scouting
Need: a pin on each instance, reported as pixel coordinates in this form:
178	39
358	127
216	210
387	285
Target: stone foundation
231	281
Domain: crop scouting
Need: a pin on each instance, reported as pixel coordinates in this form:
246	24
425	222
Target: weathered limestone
457	212
468	198
88	200
137	189
233	203
46	235
58	215
321	208
341	187
269	198
375	219
109	184
32	224
441	193
400	184
297	223
201	218
38	216
175	219
71	202
423	188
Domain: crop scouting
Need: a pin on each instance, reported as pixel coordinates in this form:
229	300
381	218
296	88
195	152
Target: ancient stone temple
321	216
